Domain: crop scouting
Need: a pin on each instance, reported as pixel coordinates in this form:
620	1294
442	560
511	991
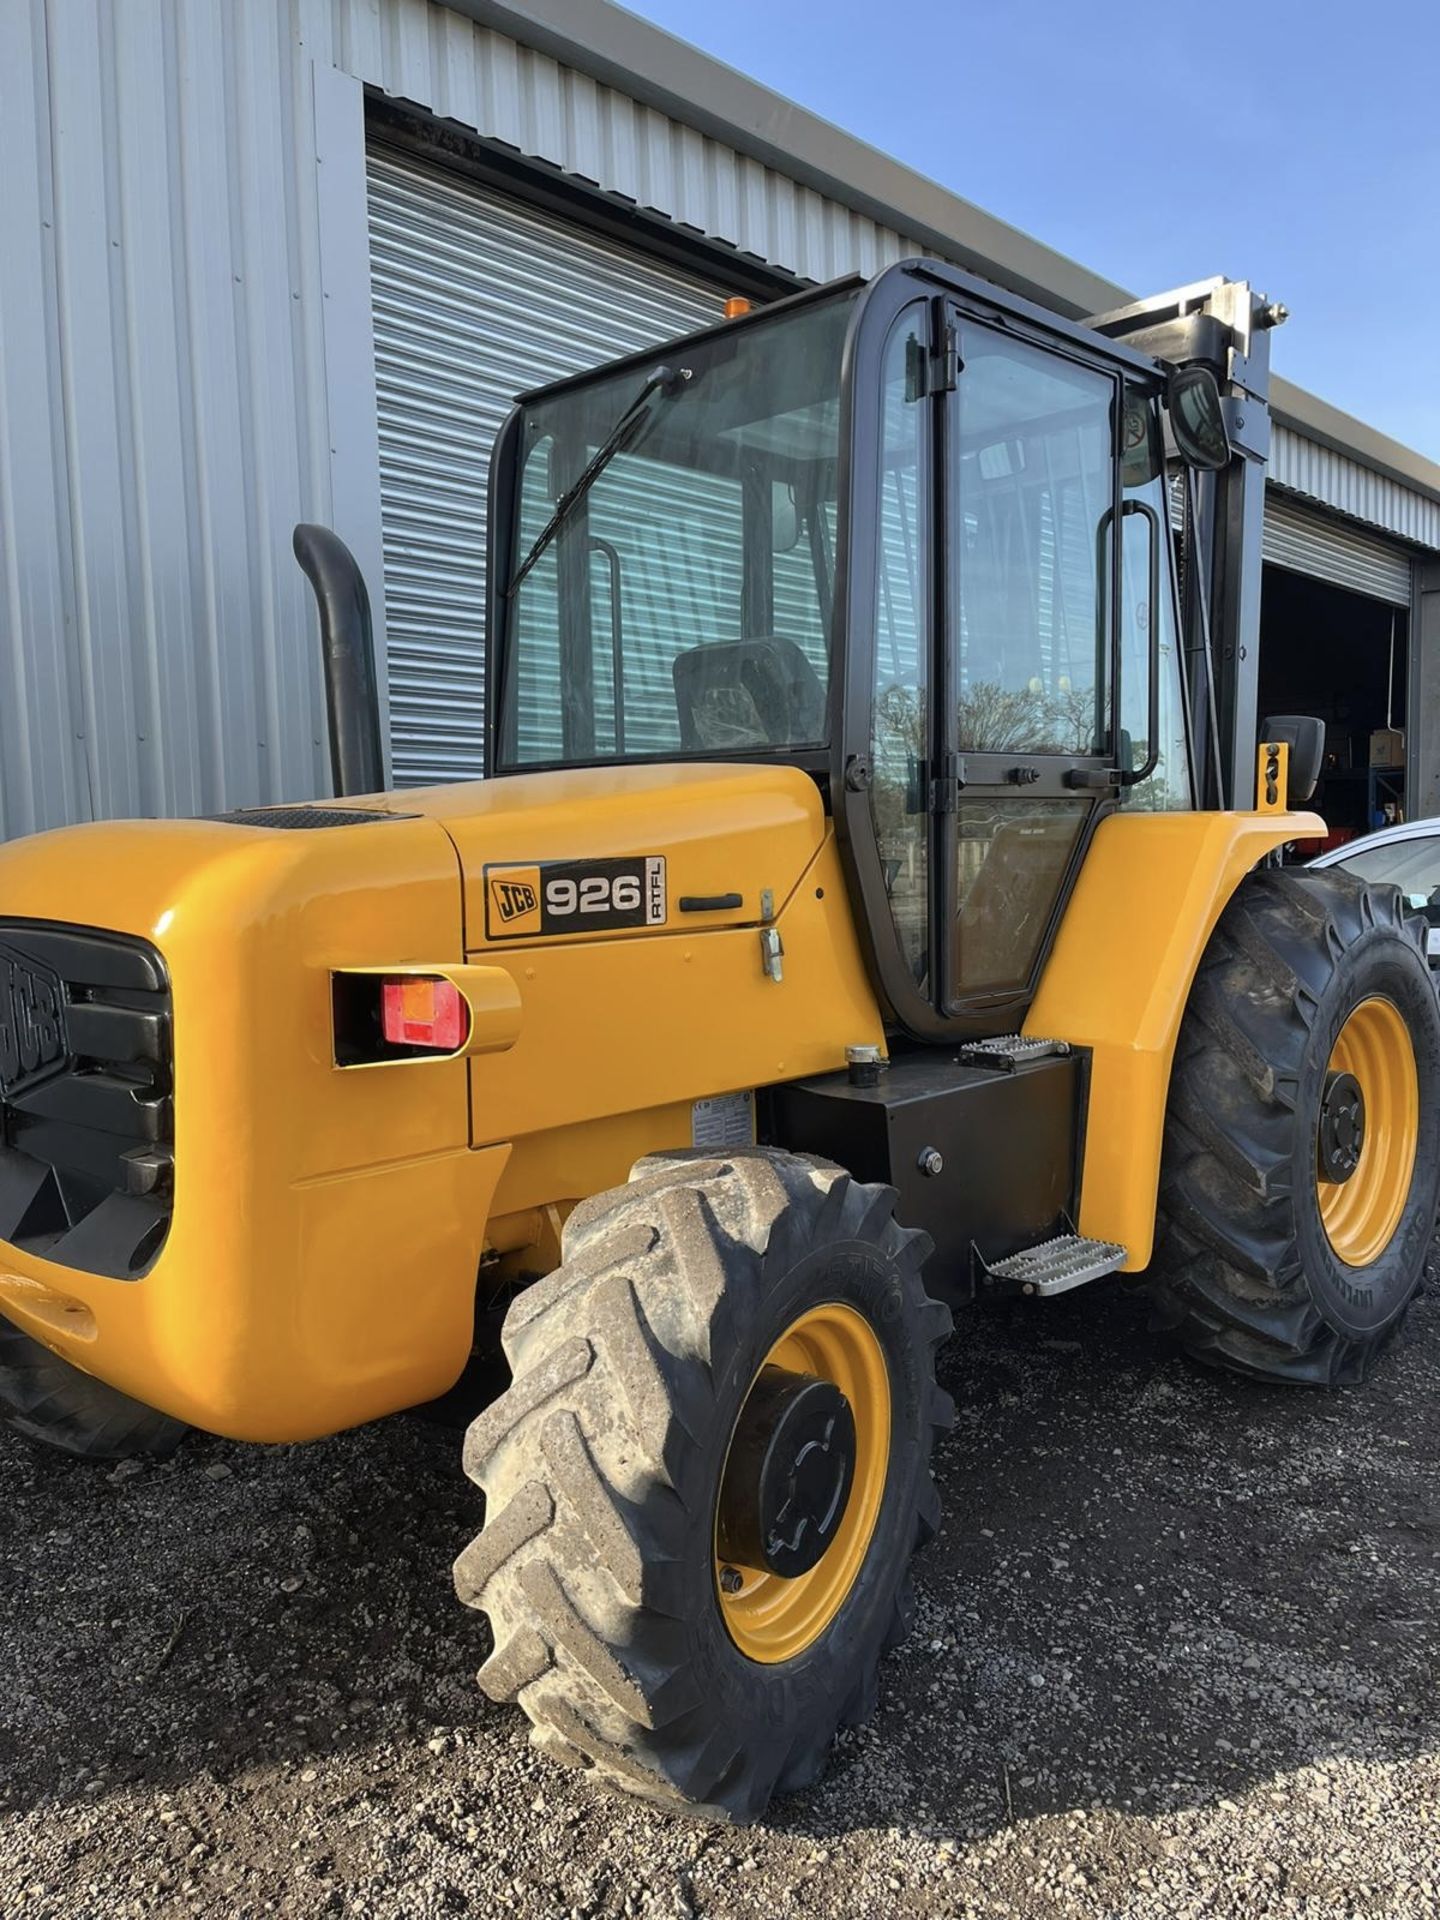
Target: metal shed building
279	262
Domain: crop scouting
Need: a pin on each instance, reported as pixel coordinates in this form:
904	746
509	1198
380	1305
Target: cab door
980	743
1025	658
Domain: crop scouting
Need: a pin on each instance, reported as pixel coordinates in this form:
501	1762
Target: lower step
1007	1051
1056	1265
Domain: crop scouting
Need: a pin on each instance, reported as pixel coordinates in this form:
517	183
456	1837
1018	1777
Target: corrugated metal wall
176	391
437	59
161	409
1320	473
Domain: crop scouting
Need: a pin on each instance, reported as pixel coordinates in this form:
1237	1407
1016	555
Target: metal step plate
1056	1265
1010	1050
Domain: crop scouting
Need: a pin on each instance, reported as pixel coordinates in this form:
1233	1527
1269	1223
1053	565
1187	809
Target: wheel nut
730	1580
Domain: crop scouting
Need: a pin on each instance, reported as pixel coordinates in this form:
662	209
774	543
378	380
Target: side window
685	601
536	714
1142	475
802	566
666	554
901	710
662	571
1011	857
1034	486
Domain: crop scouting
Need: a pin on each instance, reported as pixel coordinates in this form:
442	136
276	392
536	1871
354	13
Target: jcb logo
33	1042
514	897
603	895
512	900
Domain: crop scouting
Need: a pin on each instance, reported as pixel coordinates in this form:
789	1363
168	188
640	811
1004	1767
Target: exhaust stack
347	643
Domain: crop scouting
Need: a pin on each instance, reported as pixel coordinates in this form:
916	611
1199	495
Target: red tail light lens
422	1010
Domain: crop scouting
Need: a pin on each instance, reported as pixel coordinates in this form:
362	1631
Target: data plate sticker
725	1120
574	896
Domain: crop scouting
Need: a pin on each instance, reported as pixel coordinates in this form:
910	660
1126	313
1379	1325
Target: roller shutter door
1333	550
477	297
1313	543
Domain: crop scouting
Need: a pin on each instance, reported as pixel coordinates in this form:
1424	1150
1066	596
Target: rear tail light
422	1010
381	1017
428	1013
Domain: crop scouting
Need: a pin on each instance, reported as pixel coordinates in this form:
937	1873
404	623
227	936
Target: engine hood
639	849
723	837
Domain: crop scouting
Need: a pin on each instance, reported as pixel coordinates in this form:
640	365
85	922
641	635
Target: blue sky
1297	145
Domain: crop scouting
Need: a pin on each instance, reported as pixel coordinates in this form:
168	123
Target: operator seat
761	692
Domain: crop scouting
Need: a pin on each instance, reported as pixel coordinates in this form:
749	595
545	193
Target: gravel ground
1175	1654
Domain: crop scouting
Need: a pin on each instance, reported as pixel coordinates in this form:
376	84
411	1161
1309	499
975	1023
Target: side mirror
1197	418
784	517
1305	737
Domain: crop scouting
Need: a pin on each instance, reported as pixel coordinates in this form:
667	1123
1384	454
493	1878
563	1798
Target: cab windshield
681	602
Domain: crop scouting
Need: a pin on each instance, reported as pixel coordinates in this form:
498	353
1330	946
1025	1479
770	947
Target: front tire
1294	1218
622	1622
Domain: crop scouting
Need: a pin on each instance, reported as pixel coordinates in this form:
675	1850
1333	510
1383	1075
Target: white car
1407	857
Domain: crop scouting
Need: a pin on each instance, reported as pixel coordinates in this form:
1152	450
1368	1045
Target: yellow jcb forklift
873	904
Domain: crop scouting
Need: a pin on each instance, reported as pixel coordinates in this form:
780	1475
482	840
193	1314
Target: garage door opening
1341	656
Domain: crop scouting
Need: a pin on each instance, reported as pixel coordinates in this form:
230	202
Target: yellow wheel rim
772	1619
1360	1214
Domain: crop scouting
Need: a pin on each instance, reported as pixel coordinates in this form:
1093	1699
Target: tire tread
47	1399
589	1463
1227	1278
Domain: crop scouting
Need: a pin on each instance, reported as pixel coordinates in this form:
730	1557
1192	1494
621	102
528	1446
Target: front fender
1149	894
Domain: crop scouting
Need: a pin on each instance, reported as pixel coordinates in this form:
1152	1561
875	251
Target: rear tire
45	1398
599	1564
1262	1264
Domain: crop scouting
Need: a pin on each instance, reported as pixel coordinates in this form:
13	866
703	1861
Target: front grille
87	1143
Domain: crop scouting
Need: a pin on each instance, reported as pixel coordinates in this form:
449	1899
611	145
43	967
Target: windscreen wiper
664	381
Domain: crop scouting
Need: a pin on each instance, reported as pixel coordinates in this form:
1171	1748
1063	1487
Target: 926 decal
574	896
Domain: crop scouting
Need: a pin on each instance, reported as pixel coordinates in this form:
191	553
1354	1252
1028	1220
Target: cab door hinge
946	787
945	362
935	369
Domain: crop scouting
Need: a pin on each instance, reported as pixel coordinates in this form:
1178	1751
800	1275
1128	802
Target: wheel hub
788	1477
1342	1127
